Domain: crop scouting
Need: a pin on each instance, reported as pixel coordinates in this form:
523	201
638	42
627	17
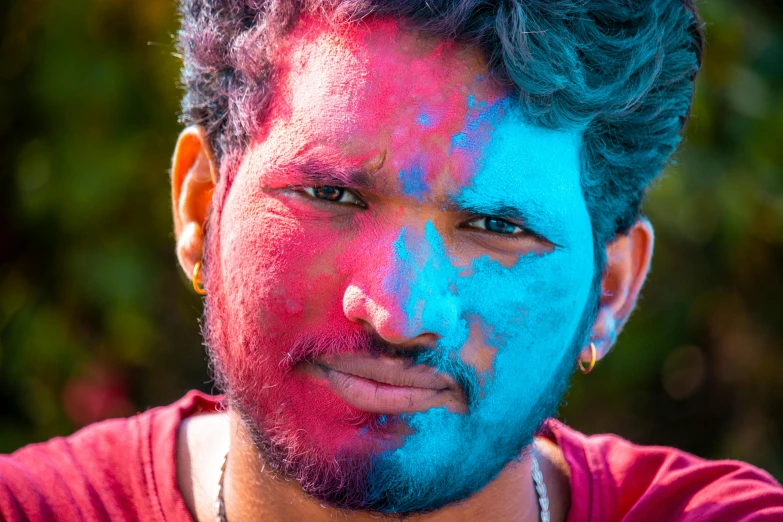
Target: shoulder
106	471
614	479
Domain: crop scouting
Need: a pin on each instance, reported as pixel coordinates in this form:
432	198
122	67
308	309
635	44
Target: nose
403	289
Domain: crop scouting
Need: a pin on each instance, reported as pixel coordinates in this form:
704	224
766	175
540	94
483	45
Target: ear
193	179
627	264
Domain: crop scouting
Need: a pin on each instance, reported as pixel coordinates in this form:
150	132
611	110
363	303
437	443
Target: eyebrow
314	171
499	209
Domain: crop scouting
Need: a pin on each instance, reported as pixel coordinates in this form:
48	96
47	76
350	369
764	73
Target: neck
253	493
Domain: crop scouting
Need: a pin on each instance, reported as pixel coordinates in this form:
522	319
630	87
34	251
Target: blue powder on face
533	310
429	304
472	101
458	140
424	120
481	118
413	182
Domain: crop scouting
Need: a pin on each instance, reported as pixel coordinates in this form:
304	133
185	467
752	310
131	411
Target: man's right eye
333	194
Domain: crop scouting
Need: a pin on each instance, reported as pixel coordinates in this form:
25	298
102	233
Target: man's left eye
496	225
333	194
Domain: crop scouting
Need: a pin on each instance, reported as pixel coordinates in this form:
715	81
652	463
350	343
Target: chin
403	465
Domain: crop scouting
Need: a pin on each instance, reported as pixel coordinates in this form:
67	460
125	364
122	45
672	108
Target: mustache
306	348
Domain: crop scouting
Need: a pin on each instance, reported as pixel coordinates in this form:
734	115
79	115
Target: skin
438	156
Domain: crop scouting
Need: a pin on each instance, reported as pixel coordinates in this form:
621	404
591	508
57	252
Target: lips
386	386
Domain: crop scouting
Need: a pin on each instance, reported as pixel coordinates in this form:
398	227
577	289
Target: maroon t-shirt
125	470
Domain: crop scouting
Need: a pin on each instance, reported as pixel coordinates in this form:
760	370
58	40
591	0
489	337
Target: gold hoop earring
590	367
198	285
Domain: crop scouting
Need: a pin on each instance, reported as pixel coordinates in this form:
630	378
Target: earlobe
628	260
193	179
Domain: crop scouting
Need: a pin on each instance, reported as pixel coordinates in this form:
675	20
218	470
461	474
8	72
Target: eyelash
519	232
310	191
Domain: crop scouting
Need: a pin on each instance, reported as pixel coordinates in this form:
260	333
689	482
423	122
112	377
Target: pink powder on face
367	91
282	268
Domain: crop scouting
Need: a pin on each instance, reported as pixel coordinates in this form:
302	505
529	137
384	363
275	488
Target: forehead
339	82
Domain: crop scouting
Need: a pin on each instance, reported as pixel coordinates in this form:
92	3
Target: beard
372	469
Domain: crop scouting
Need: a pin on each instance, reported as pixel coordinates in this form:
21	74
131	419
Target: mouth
386	386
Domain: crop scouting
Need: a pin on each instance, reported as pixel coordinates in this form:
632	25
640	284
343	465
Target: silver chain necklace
538	480
220	504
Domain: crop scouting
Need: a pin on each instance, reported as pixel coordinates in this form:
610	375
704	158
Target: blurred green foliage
96	319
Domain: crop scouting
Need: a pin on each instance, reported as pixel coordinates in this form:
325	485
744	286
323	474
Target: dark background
96	319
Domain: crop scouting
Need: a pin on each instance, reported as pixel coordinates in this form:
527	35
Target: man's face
397	219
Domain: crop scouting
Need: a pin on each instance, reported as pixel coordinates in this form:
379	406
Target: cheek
273	268
526	316
286	268
480	350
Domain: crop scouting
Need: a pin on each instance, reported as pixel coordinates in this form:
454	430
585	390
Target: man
412	222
